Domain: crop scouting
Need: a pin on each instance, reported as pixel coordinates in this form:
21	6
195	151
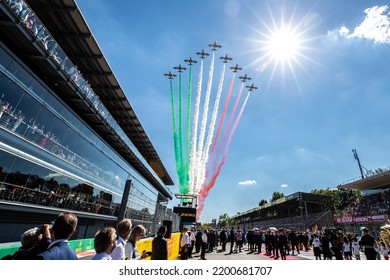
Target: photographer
34	241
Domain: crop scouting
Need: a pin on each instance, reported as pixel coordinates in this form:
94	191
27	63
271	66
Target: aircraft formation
202	54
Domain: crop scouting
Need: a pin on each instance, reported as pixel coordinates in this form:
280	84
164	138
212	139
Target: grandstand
299	210
373	208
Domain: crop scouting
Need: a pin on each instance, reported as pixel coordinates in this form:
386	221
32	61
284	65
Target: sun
283	45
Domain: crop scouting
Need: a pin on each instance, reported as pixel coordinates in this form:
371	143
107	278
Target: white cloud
375	26
248	182
53	175
344	31
284	186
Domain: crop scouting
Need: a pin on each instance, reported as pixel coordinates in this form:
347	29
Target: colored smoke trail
210	134
227	128
208	185
223	113
181	175
193	160
203	193
200	152
188	132
175	136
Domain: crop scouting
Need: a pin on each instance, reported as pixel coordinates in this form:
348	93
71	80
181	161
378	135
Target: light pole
355	155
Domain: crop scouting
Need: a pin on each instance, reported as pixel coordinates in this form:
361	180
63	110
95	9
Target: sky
321	72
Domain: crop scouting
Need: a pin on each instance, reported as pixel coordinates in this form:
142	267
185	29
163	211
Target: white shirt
119	251
384	251
204	237
347	246
185	239
132	252
356	247
102	256
192	237
316	242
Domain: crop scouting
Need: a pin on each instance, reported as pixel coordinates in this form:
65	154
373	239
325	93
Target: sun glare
283	45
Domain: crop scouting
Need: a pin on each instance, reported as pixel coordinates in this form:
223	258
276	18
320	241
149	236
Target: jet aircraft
170	75
202	54
190	61
251	87
235	69
179	68
215	46
226	59
244	78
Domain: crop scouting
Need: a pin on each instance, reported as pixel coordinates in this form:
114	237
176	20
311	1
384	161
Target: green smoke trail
175	137
181	160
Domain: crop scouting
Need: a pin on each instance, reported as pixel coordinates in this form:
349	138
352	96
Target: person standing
192	243
104	243
347	248
211	237
368	242
231	239
184	243
223	238
124	229
316	247
63	228
239	237
198	240
282	243
160	245
325	242
356	248
131	249
204	245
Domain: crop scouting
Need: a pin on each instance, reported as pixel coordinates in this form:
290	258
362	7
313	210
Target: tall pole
125	197
357	158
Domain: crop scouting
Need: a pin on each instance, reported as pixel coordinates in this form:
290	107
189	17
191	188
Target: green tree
262	202
340	198
224	220
276	196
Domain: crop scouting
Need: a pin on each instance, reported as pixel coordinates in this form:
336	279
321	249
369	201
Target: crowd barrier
82	245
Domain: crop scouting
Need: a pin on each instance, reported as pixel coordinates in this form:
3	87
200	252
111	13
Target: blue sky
328	95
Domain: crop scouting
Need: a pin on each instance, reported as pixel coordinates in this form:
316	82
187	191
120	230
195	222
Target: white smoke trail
210	134
203	126
194	139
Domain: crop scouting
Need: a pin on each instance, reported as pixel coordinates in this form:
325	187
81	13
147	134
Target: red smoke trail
227	128
223	114
207	186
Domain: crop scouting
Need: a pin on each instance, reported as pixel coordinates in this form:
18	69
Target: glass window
5	58
38	89
15	69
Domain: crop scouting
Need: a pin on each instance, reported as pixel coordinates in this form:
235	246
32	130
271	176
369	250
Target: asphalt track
243	255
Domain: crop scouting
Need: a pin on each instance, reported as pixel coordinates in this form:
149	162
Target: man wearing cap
368	242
